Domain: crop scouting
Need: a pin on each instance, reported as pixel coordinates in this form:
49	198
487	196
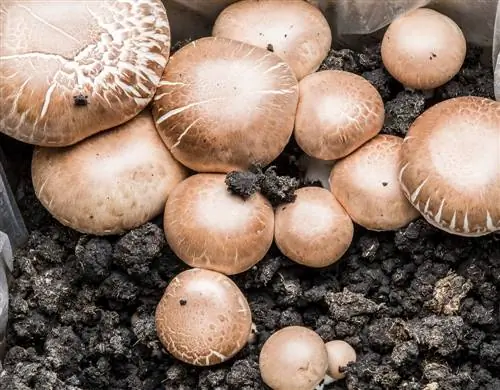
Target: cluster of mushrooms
125	132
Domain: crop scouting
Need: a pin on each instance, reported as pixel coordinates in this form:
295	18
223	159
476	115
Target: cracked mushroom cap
423	49
450	165
224	105
338	111
110	182
340	354
203	318
296	31
314	230
70	69
206	226
293	358
366	184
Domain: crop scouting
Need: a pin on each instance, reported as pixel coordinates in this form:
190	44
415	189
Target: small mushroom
293	358
224	105
296	31
71	69
110	182
423	49
340	354
314	230
450	165
366	184
203	318
208	227
338	111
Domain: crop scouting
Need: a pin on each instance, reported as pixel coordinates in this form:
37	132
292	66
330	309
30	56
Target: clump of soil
419	306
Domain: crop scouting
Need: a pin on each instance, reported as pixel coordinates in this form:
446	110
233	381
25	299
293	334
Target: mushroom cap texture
296	31
293	358
224	105
340	354
338	111
208	227
423	49
450	165
110	53
366	185
314	230
110	182
203	318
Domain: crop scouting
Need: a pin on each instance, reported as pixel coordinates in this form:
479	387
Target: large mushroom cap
366	184
224	105
296	31
203	318
108	183
423	49
450	165
70	69
208	227
338	111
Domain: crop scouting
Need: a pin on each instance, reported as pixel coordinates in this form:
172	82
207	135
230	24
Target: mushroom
366	185
296	31
314	230
423	49
450	165
340	354
293	358
224	105
206	226
71	69
203	318
338	111
110	182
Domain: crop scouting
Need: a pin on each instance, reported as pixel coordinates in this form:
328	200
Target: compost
420	306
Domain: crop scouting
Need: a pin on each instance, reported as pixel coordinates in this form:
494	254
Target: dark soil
421	307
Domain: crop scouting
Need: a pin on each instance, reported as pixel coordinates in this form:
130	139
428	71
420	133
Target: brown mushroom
224	105
206	226
340	354
293	358
71	69
110	182
450	165
366	184
296	31
423	49
314	230
203	318
338	111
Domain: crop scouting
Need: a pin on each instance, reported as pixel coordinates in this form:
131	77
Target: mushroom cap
296	31
314	230
366	185
450	165
340	354
224	105
203	318
293	358
338	111
110	182
423	49
206	226
71	69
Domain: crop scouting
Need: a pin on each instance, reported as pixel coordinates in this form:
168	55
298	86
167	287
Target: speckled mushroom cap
110	182
70	69
423	49
293	358
296	31
203	318
450	165
208	227
314	230
338	111
224	105
366	184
